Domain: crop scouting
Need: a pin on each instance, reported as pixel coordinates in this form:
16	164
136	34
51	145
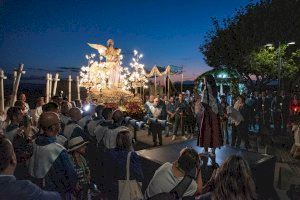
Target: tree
232	42
265	64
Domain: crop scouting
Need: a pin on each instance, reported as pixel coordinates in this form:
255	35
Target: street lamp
280	59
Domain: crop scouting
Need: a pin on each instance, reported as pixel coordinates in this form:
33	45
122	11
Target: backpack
178	191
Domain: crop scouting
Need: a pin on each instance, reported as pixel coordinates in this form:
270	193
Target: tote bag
129	189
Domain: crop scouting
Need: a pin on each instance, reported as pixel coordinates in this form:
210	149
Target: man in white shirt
170	174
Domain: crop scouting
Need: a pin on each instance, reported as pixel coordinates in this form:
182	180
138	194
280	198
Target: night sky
52	35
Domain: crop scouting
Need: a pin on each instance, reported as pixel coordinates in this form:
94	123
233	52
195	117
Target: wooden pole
56	79
155	84
2	77
50	86
16	86
182	82
47	88
78	87
168	87
70	88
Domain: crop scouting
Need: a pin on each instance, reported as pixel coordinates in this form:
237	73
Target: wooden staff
2	77
182	82
50	86
169	82
78	87
15	77
70	87
47	88
155	84
55	84
16	85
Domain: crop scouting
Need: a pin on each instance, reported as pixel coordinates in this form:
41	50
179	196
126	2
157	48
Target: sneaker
173	137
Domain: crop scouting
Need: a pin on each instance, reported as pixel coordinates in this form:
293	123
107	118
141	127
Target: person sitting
72	129
10	188
50	164
98	119
77	149
169	175
115	164
232	180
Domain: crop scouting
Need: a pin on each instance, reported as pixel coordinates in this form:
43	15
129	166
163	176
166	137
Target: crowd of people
80	150
261	113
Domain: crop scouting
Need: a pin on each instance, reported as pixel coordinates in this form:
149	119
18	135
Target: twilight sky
52	34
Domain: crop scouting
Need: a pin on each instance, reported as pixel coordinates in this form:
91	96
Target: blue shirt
62	176
12	189
115	163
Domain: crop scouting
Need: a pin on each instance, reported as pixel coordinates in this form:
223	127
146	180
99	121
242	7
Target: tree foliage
236	42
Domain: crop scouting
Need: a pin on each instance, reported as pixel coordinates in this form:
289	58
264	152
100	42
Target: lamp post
280	60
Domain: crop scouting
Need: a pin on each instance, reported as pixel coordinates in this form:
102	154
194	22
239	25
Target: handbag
129	189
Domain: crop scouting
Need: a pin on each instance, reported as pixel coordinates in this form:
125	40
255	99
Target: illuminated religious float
110	83
107	80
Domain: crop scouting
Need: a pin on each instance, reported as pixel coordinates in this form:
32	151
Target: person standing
181	107
264	107
210	135
116	160
50	164
73	129
223	117
77	149
38	109
155	128
171	111
276	112
284	106
149	105
10	188
22	98
242	127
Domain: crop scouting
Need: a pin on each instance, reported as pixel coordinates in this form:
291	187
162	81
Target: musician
181	107
155	111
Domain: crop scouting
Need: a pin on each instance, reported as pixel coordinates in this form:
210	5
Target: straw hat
76	143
